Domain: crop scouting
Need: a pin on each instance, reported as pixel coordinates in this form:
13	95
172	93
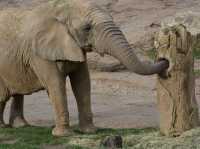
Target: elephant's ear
55	43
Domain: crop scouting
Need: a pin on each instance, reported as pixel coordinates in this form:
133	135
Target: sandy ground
119	99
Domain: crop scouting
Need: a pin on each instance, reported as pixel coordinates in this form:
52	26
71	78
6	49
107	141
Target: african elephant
40	47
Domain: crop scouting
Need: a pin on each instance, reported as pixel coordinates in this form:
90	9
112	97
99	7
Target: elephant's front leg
17	112
80	82
4	97
54	82
57	94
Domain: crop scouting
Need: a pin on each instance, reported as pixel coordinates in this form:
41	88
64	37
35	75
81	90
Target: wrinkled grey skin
41	47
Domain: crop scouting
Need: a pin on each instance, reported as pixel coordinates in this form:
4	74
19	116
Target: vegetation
152	53
197	73
40	137
196	53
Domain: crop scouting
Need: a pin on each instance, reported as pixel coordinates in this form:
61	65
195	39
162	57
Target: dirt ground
119	99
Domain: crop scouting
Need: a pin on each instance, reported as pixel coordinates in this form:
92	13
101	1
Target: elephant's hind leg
17	113
2	108
80	82
4	97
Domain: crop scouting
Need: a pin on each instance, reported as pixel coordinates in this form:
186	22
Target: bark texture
176	93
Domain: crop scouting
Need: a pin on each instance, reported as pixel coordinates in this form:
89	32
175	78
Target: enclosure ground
119	100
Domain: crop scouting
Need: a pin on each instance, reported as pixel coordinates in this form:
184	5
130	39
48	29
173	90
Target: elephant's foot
90	129
61	131
3	125
18	122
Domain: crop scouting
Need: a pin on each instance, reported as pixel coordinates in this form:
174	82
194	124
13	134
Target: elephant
41	46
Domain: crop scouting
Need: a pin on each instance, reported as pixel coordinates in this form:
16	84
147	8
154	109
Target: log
176	93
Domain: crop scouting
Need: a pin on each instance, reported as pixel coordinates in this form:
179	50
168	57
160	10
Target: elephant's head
91	28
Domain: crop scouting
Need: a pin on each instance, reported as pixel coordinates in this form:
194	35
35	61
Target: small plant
151	54
196	53
197	73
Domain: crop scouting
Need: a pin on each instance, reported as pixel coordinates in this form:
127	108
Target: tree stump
176	93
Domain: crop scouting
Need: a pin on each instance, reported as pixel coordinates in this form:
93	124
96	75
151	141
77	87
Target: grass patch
148	138
40	137
197	73
196	53
151	54
28	138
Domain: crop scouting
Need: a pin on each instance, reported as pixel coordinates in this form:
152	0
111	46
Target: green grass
27	138
197	73
148	138
196	53
151	54
39	137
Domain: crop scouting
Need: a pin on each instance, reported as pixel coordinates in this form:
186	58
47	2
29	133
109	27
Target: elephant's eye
87	28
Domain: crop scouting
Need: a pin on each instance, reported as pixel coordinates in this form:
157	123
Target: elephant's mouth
87	48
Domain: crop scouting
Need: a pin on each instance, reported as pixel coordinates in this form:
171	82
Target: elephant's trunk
110	40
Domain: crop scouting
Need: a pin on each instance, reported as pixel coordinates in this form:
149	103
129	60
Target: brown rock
112	142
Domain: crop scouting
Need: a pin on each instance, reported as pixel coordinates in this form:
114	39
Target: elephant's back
10	27
10	22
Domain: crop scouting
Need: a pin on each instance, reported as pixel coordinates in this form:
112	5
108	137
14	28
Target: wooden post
176	93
